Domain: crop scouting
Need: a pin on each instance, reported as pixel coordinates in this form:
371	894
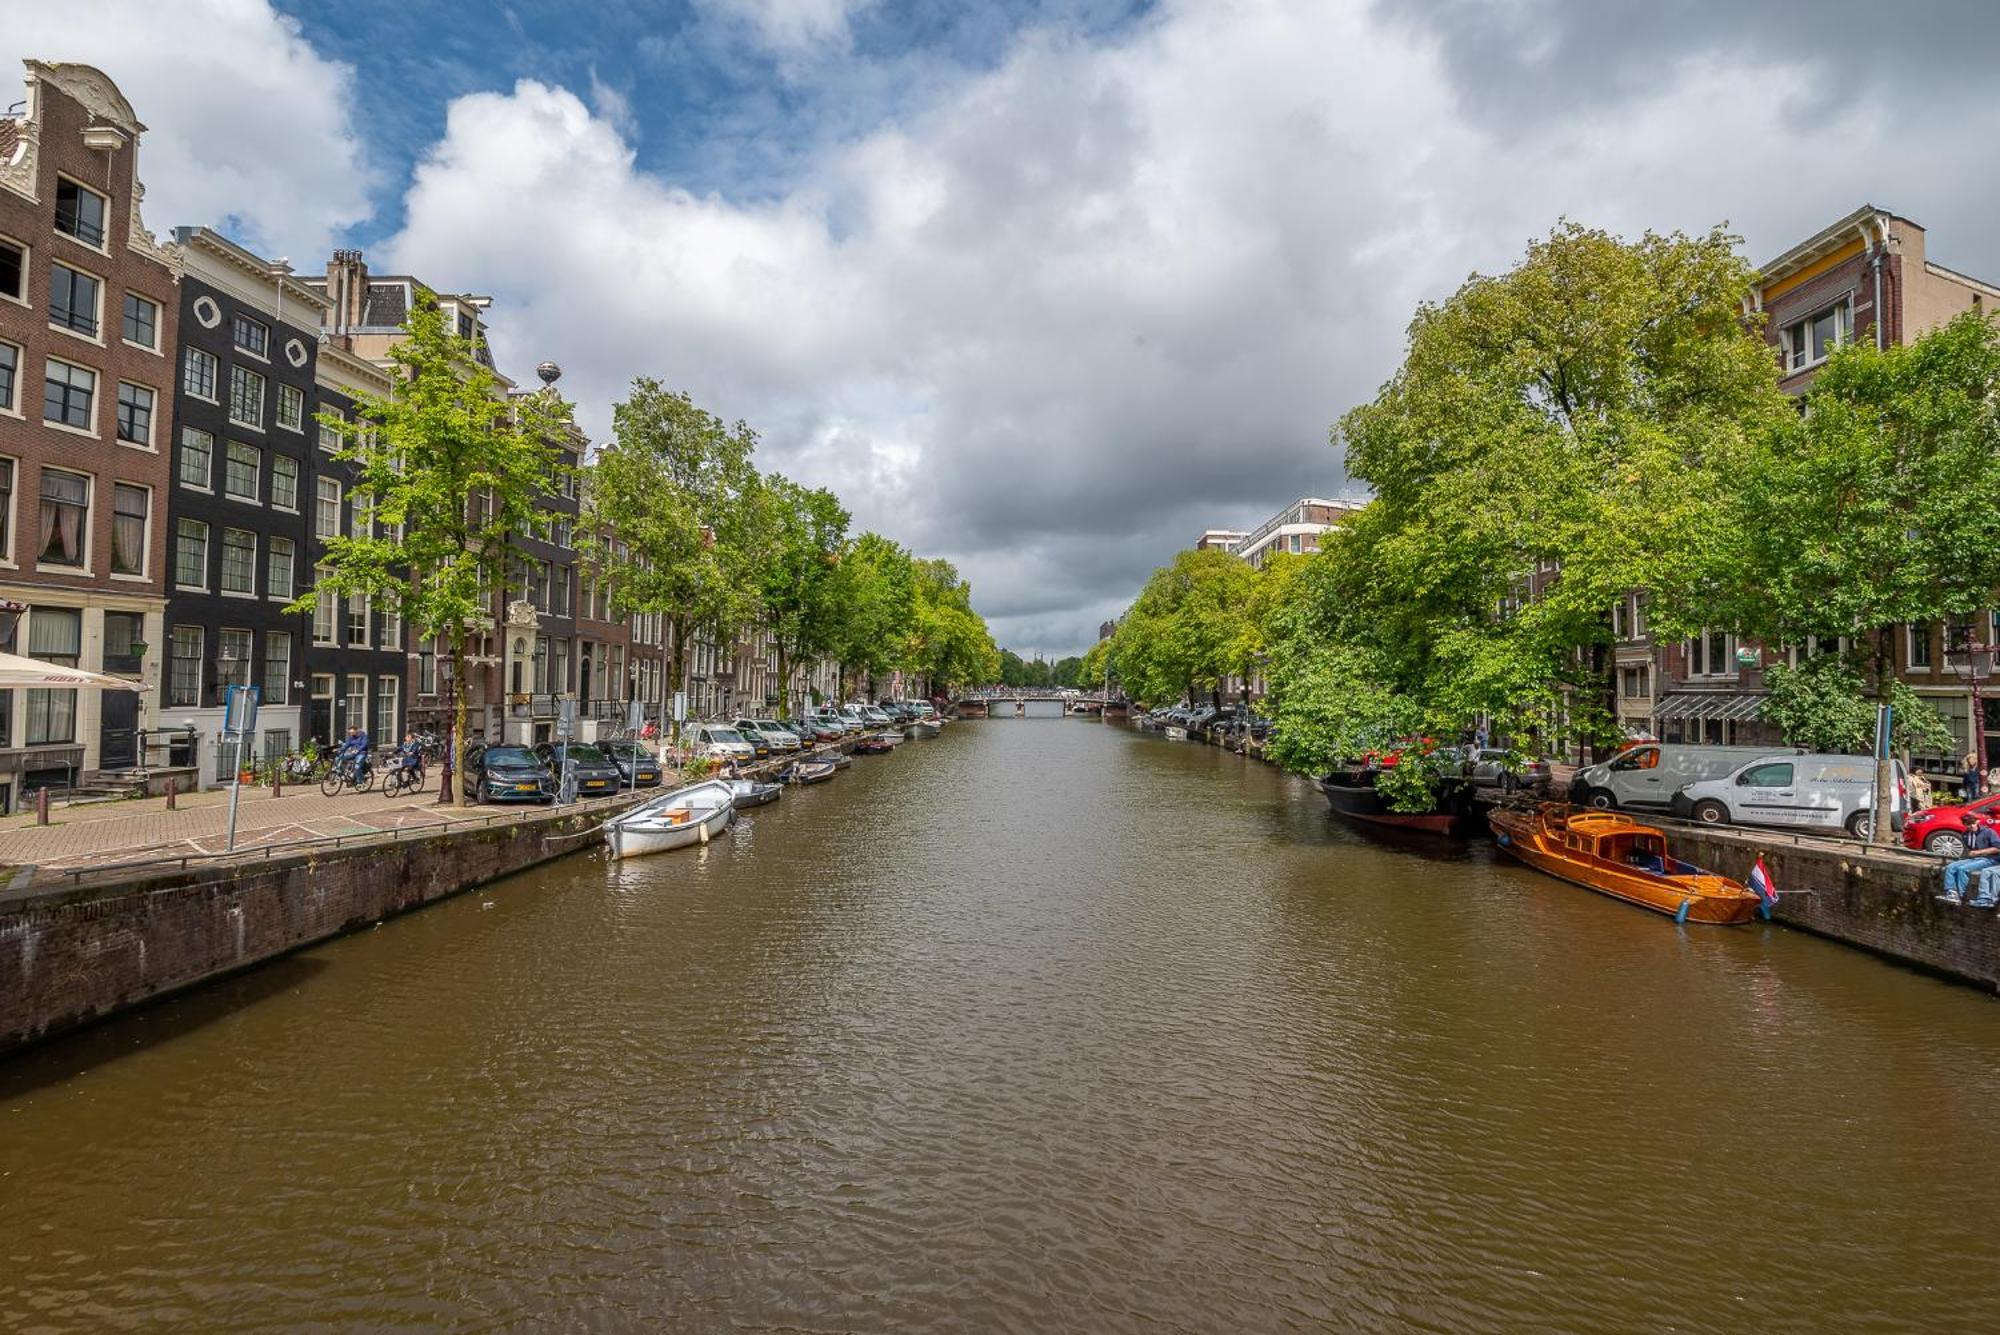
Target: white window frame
284	682
25	300
89	521
1796	336
222	564
97	339
256	474
271	590
207	532
200	657
145	571
20	359
298	473
12	511
159	313
263	397
96	396
1915	633
241	318
326	611
188	354
278	416
319	483
101	248
152	417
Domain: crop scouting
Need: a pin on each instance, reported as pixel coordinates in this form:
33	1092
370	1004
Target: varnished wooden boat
1615	855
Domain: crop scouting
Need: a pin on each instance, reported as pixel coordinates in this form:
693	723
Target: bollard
173	786
277	780
41	806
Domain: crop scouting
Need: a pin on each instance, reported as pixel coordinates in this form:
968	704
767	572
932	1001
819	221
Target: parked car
759	743
715	742
815	730
1507	770
780	737
1804	791
1649	774
637	767
1944	829
594	771
506	774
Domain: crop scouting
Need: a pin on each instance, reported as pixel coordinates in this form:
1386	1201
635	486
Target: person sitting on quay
1983	859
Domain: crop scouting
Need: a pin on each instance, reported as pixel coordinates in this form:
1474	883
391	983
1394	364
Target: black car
507	774
637	766
595	774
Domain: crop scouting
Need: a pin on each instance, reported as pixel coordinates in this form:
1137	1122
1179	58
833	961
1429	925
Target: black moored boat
1350	792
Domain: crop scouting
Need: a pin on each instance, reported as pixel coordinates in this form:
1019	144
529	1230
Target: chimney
347	291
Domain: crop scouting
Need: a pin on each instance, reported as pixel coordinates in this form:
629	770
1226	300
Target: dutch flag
1760	881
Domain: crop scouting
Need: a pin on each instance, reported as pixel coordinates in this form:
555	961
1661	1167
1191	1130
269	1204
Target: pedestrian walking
1972	786
1920	790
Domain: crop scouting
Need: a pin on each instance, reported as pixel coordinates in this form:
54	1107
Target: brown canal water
1038	1026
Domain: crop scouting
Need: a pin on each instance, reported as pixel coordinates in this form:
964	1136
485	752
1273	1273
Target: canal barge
1350	793
1617	856
694	814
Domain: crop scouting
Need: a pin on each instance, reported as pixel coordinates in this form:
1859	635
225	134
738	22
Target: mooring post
173	786
41	806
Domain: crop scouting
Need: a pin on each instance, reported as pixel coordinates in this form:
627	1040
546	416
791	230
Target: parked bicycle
352	772
306	767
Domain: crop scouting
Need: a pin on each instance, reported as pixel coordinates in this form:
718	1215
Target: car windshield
584	754
770	725
509	755
724	735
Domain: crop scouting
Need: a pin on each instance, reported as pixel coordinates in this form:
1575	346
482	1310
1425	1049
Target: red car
1943	829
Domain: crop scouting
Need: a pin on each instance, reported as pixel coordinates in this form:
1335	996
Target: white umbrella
18	671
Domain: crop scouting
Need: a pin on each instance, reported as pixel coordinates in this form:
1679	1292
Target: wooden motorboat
921	729
809	771
1351	793
690	815
750	793
1613	854
873	745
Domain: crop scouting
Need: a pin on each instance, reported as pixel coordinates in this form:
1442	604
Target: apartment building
240	441
1219	540
1295	529
89	313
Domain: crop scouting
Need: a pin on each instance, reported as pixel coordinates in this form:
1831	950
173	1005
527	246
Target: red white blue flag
1760	881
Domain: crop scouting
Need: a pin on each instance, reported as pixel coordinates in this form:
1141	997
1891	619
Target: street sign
1885	717
239	709
680	706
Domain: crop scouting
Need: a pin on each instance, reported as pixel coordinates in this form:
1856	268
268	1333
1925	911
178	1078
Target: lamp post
446	773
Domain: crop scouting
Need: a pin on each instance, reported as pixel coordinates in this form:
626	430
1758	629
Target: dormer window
80	212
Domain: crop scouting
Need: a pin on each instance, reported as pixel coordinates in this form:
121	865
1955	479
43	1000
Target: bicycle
306	768
349	772
399	779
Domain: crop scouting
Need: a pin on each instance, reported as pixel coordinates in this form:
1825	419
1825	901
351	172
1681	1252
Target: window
326	508
142	321
190	554
68	395
239	561
1920	644
198	370
291	408
197	457
284	482
13	271
385	709
131	507
79	212
1709	655
124	638
233	651
184	668
390	627
51	716
326	610
65	518
357	702
1778	775
6	509
73	298
427	673
278	568
277	668
239	471
246	396
135	414
1636	683
1811	341
253	336
55	635
329	436
357	622
10	372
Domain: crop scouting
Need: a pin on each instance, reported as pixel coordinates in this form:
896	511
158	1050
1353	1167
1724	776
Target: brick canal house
540	652
1867	276
89	307
242	445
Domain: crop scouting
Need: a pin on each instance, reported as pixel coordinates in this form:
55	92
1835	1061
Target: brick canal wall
1882	901
71	956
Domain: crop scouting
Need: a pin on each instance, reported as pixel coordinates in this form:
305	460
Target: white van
1649	774
1807	792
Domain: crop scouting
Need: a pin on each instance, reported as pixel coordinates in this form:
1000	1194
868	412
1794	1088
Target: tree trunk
677	676
1878	832
459	748
784	681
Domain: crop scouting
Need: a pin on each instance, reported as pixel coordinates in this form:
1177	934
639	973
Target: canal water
1044	1025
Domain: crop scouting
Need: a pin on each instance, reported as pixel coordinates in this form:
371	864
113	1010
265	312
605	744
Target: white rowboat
690	815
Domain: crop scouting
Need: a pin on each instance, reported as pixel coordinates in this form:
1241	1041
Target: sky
1046	287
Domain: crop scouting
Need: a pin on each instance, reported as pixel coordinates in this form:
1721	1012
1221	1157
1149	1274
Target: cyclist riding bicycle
410	755
354	753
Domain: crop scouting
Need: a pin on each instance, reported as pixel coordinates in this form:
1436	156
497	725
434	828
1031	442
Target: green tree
947	643
1878	507
803	531
449	469
670	514
1067	671
1185	631
879	598
1822	705
1582	412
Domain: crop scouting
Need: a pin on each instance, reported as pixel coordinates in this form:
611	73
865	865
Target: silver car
780	738
1804	792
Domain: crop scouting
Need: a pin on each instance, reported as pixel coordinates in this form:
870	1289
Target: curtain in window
128	532
55	635
64	497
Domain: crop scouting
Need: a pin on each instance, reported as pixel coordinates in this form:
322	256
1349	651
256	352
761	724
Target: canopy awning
1728	706
18	671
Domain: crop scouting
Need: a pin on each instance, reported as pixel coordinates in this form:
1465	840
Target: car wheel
1598	799
1946	843
1861	825
1711	813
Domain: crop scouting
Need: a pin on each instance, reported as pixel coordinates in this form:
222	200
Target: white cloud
250	126
1104	294
792	27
